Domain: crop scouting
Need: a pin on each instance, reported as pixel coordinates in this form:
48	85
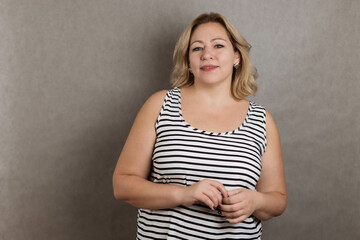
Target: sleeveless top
184	155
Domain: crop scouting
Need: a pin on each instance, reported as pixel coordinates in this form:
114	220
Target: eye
219	46
197	49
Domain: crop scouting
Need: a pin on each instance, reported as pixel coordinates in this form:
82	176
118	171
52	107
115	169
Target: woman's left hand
240	204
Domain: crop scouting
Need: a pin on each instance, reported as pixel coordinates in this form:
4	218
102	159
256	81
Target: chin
212	81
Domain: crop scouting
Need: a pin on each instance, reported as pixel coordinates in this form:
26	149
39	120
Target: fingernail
227	195
218	207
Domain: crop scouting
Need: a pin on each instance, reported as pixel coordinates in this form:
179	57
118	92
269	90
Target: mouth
208	67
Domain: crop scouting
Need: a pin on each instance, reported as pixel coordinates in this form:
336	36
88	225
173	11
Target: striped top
184	155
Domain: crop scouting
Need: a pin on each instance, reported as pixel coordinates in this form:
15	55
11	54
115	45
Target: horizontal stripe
213	149
184	155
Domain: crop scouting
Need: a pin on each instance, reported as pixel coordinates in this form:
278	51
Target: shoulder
270	122
264	114
153	104
149	112
272	131
157	98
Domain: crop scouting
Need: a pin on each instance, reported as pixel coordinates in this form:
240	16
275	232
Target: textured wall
73	74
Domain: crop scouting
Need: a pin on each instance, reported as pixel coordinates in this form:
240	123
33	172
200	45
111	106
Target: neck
213	94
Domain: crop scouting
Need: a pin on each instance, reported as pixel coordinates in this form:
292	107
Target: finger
234	197
234	192
214	196
231	200
230	207
234	214
207	201
220	187
218	198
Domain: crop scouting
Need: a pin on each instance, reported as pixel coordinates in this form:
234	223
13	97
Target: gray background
74	73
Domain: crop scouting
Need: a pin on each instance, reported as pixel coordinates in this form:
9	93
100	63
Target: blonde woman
201	161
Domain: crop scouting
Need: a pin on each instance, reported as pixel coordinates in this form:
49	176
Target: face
211	54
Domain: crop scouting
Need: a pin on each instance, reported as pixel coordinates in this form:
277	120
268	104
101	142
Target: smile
208	67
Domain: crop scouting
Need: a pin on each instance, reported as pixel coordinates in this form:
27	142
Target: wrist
178	194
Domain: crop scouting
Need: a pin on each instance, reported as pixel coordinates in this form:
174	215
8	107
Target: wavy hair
243	78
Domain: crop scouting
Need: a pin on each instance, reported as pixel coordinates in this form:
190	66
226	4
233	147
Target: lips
208	67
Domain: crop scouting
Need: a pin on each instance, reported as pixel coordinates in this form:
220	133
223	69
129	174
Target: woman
201	161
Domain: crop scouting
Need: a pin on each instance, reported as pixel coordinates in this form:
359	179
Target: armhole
265	137
161	111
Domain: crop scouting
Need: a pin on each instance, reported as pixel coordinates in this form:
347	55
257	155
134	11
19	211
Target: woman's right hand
206	191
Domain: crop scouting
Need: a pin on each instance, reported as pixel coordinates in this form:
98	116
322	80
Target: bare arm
270	198
130	176
271	188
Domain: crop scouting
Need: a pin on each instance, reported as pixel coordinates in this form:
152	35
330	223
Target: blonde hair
243	79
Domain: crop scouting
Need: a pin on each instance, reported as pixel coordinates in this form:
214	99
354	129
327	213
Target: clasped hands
236	205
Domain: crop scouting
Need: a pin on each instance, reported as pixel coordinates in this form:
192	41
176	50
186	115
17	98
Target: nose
206	54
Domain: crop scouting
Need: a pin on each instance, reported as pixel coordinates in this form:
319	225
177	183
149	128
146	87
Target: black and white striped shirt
184	155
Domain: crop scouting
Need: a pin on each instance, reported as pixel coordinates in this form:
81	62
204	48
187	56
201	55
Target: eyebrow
214	39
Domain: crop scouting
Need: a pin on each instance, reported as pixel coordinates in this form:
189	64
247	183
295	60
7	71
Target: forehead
209	31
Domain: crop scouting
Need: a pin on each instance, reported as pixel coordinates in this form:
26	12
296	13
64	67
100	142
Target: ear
237	57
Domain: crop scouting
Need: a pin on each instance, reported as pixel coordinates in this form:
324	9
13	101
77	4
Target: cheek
231	58
193	60
190	57
227	59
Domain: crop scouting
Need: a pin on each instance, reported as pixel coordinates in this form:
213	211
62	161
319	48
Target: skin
210	46
208	105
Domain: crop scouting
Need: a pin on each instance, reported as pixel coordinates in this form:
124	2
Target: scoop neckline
209	132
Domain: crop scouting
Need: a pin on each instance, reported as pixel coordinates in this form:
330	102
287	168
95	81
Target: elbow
267	216
276	211
281	206
116	189
280	211
117	195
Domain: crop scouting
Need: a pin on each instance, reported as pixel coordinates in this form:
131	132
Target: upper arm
272	177
135	157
